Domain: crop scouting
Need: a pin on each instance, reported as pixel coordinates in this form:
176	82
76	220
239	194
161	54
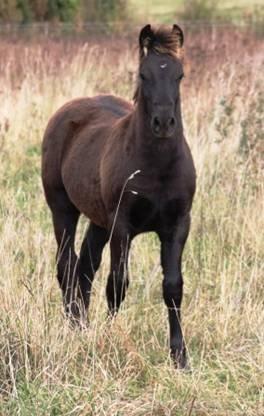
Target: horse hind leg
65	218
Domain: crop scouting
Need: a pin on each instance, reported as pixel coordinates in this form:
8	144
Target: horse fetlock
75	311
178	355
115	293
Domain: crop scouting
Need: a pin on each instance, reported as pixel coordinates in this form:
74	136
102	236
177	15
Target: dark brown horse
129	169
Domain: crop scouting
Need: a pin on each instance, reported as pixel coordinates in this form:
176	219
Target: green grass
156	10
168	10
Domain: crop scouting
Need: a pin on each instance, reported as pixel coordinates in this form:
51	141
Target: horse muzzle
163	126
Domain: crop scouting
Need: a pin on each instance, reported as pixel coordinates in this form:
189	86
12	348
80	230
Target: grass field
123	368
155	10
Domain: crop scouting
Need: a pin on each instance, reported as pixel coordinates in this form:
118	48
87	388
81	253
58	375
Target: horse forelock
164	41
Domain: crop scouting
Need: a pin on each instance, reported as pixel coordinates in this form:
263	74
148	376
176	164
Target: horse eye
179	78
142	76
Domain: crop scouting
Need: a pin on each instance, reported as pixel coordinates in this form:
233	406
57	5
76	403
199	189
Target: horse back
73	117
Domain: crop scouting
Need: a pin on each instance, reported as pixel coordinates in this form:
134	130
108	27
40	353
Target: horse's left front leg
172	245
118	278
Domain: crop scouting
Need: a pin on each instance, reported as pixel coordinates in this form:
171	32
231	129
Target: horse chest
151	214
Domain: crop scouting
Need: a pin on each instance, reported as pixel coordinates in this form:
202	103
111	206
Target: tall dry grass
123	367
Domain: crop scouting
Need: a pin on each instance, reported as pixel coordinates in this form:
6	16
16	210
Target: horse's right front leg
90	259
65	220
118	278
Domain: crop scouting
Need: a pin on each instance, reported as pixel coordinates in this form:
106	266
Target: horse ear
177	31
145	38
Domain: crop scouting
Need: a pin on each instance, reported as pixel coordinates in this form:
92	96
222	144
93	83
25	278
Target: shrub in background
205	10
104	10
24	11
9	11
62	10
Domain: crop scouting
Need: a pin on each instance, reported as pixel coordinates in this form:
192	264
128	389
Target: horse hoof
76	318
180	361
76	323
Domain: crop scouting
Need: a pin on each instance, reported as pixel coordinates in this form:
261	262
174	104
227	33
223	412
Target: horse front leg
90	258
118	281
172	245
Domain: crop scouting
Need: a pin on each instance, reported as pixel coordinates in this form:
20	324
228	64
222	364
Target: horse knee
172	292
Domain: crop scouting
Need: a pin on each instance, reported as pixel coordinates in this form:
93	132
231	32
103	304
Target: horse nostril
171	122
163	124
156	122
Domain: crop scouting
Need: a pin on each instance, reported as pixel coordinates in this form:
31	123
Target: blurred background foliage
77	11
24	11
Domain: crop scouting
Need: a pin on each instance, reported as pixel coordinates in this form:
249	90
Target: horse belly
88	201
82	185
